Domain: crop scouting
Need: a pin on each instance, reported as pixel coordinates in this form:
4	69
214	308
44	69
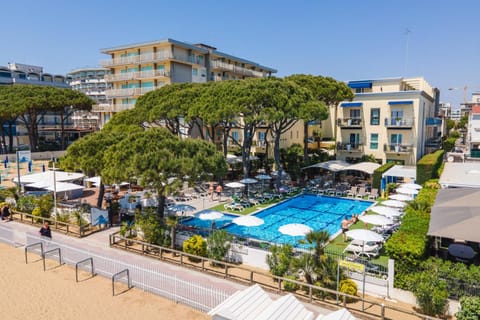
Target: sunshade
364	235
386	211
263	177
210	215
333	165
407	191
410	186
376	219
295	229
234	185
248	181
367	167
248	221
394	203
181	208
400	197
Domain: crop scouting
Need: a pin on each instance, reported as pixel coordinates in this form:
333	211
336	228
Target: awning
393	103
460	175
360	84
456	214
401	171
351	104
333	165
367	167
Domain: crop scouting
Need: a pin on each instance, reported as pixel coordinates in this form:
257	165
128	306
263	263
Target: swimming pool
316	211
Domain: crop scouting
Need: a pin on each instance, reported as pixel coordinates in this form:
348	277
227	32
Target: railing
398	148
311	293
130	92
350	147
148	58
399	122
137	75
235	69
350	122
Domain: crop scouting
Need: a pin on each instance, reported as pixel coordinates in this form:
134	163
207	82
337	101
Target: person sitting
354	219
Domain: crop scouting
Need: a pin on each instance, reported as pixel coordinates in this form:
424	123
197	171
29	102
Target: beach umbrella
295	229
210	215
263	177
364	235
400	197
234	185
387	211
410	186
248	181
233	159
406	191
394	203
248	221
376	219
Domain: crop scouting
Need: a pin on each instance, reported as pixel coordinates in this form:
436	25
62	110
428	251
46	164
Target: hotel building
139	68
392	119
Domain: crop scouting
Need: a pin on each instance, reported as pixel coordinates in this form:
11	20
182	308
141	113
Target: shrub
377	174
279	259
427	167
349	287
218	244
290	286
37	212
26	204
470	308
448	144
196	245
431	293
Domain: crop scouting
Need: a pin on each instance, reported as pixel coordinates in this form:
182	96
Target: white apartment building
391	119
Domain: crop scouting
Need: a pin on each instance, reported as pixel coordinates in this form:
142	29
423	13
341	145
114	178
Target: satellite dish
450	159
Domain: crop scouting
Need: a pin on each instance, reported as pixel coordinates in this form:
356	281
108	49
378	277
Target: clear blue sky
347	40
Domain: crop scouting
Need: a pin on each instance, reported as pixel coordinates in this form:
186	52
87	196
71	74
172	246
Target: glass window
354	140
355	113
375	117
396	138
374	141
235	135
194	72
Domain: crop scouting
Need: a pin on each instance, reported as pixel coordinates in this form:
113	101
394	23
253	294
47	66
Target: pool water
207	224
316	211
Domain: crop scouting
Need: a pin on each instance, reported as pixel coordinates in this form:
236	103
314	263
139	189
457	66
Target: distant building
392	119
456	114
136	69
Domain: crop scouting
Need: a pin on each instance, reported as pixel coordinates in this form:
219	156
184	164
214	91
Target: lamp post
54	189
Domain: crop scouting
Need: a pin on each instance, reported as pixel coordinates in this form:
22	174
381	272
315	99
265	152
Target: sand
27	292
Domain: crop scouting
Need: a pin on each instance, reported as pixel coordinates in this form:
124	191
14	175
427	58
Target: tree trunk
161	205
306	159
276	156
101	192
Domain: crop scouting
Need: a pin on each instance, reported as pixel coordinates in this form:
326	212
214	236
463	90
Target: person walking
345	225
45	230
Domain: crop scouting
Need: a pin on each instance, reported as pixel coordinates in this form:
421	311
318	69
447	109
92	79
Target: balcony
259	146
350	123
219	65
349	147
399	123
150	57
150	74
398	148
130	92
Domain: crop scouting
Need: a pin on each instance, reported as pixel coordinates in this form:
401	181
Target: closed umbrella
406	191
376	219
394	203
364	235
400	197
295	229
248	221
182	208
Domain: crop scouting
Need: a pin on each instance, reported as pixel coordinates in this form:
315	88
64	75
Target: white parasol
295	229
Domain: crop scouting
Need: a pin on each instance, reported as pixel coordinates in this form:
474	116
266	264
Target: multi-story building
473	131
91	82
49	124
456	114
391	119
139	68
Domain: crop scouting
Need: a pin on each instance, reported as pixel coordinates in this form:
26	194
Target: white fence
145	278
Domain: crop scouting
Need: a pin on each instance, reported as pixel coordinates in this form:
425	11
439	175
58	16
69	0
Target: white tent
367	167
401	172
333	165
45	181
60	176
255	303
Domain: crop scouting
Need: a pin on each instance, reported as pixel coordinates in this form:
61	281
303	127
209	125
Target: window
396	139
194	72
235	136
397	115
261	138
375	117
354	140
374	141
355	113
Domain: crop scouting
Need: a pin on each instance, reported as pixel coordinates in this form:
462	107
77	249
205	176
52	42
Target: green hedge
377	174
448	144
427	167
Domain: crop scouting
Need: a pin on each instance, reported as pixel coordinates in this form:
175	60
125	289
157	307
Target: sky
346	40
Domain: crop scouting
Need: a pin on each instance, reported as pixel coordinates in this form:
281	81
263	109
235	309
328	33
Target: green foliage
26	204
462	124
427	166
431	293
448	144
279	259
454	134
368	158
126	230
377	174
37	212
196	245
470	308
450	124
349	287
290	286
218	244
148	223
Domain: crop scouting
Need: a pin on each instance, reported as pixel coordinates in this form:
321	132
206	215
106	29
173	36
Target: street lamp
464	93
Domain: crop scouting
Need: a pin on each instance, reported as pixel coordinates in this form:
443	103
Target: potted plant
398	121
397	147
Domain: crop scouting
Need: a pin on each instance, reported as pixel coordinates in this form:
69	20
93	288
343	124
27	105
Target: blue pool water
317	212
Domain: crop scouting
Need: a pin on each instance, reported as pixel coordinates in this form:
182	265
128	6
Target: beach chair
362	193
234	206
360	248
373	194
352	192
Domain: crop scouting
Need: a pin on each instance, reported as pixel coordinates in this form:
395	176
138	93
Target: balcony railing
131	92
398	148
396	123
350	122
220	65
148	58
137	75
350	147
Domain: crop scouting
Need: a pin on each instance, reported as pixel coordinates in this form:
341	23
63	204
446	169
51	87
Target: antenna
407	33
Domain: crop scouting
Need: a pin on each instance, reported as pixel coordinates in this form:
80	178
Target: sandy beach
27	292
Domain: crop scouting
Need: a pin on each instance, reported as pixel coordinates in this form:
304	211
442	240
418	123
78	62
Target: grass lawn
247	210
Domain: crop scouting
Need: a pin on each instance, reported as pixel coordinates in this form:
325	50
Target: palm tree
319	239
306	266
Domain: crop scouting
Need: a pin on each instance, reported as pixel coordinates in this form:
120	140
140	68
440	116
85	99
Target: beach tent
398	171
255	303
63	183
456	214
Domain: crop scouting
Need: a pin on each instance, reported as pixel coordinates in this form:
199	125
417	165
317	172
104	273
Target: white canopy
333	165
60	176
59	186
367	167
401	171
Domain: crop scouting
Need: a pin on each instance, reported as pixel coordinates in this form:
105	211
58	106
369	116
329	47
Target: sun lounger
234	206
359	248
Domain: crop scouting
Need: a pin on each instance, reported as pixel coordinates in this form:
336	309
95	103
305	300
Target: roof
401	171
59	186
150	43
368	167
254	303
460	174
60	176
340	165
456	214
